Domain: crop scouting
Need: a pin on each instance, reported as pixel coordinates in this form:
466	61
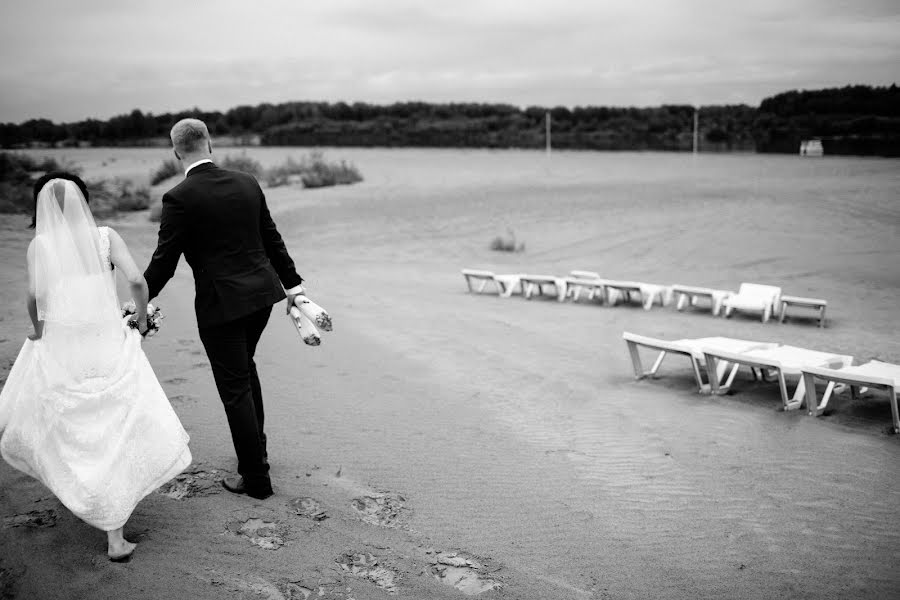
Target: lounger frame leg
892	396
636	361
712	370
791	402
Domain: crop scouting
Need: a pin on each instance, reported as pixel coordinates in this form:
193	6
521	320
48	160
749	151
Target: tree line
852	120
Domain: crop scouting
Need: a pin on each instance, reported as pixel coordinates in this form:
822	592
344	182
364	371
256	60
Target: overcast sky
69	60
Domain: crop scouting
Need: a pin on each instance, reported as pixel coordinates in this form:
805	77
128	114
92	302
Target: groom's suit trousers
230	347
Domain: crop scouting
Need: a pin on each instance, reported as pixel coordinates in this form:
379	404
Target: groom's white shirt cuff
199	162
295	290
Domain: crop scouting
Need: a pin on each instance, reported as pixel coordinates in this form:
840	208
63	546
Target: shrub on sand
17	175
15	198
320	173
507	244
313	171
168	168
286	173
242	163
110	196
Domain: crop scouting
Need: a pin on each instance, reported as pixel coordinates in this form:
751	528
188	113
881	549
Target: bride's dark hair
40	183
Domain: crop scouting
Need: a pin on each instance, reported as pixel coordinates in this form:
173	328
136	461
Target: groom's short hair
189	136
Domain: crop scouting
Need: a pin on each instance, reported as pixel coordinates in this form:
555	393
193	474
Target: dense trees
850	120
858	119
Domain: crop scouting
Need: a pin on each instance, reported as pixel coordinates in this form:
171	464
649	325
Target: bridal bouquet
306	315
154	317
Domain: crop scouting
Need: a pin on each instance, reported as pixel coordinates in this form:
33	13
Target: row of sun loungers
765	300
721	358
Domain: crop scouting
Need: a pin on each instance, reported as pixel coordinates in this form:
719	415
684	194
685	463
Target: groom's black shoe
236	485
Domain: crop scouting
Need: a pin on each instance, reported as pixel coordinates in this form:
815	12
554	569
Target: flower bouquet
306	314
154	317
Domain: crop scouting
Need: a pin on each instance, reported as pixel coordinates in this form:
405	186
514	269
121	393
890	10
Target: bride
82	410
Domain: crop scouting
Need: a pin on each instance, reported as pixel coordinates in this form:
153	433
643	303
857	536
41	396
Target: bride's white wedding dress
82	410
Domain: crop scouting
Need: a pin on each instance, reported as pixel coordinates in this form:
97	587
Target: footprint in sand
176	380
196	480
268	535
9	582
465	572
365	566
324	589
34	519
308	507
385	510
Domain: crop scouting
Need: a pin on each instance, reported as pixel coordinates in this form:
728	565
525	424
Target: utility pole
696	129
547	128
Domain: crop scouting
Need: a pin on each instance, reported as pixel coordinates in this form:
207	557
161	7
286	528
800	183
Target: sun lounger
692	348
628	290
753	297
645	293
532	283
782	360
482	278
505	284
873	374
576	285
688	293
814	303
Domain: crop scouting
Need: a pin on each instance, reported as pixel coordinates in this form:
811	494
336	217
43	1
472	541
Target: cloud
102	57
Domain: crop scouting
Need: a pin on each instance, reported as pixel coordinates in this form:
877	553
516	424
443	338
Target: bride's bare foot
119	549
120	552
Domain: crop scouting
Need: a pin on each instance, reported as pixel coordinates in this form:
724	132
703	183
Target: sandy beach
441	444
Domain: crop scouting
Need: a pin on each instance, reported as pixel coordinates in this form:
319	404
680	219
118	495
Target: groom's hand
141	323
299	291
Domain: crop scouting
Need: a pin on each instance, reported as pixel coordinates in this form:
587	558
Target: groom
219	220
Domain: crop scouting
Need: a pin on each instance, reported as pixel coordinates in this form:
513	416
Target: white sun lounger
692	348
576	285
532	283
506	284
685	293
481	278
816	304
753	297
646	293
783	360
873	374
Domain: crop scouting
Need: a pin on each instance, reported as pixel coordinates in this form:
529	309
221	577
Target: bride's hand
38	332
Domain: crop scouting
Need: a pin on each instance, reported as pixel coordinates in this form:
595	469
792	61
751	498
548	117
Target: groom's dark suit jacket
219	220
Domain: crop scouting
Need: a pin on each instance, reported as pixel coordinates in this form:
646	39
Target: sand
440	443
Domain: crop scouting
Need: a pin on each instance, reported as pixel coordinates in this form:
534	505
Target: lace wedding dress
82	410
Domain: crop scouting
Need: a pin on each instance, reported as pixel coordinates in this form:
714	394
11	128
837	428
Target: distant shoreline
853	120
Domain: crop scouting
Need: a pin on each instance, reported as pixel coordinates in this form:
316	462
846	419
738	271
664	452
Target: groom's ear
176	154
209	145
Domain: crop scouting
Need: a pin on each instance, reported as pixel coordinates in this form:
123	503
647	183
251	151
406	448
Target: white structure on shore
811	148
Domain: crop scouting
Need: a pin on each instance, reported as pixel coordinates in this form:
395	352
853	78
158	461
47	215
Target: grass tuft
507	243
